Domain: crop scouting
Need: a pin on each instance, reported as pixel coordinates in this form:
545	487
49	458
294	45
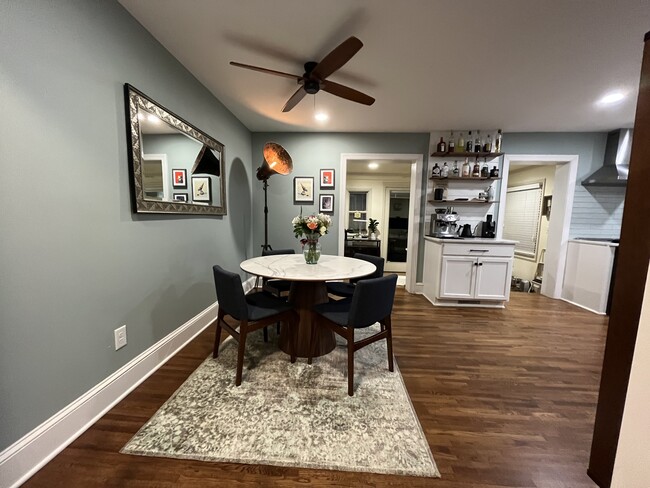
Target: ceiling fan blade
295	98
268	71
346	92
337	58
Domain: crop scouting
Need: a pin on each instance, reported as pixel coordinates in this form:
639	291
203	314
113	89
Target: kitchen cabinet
588	273
467	272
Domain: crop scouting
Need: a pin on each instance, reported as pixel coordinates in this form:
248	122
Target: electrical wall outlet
120	337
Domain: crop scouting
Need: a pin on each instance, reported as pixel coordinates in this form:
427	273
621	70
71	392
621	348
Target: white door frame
165	171
414	204
558	230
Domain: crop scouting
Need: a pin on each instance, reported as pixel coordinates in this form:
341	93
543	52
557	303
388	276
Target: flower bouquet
311	228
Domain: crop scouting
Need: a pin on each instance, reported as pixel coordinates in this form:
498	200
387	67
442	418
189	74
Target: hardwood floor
506	399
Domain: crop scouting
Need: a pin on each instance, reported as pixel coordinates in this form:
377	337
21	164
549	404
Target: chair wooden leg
240	353
217	335
266	335
350	339
389	343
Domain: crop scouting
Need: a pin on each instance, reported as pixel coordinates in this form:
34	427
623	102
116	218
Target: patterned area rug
296	415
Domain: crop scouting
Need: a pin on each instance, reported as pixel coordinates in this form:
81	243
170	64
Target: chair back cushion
230	293
372	301
376	260
271	252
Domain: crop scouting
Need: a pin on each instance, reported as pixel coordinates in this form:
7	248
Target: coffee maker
444	223
488	227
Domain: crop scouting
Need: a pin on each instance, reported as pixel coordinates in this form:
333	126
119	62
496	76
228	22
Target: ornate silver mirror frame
138	104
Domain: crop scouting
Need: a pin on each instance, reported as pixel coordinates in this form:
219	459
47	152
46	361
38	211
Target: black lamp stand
266	246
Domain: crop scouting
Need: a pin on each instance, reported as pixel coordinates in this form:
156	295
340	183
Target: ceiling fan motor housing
312	86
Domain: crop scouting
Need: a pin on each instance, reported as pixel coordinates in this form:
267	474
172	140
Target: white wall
525	268
632	465
377	185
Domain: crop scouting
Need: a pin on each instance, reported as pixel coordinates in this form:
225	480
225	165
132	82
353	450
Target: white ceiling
522	65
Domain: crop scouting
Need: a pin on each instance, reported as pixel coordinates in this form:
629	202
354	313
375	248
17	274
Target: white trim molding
558	232
27	455
415	199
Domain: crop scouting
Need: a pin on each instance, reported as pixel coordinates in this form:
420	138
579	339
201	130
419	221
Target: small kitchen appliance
488	227
444	223
466	231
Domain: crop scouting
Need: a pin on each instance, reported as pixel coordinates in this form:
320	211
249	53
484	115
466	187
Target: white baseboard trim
27	455
583	306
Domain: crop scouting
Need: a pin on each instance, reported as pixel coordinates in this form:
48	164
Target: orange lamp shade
276	160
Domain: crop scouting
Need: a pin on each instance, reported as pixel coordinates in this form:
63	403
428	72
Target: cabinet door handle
479	250
480	264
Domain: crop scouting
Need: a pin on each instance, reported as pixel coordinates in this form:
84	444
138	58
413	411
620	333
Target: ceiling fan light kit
315	76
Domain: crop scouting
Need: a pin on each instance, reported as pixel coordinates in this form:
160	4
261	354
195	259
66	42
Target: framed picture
326	203
201	189
179	178
326	178
180	197
303	189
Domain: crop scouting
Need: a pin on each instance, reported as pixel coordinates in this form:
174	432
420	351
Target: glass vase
311	251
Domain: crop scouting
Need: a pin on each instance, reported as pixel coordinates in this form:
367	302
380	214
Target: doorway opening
387	186
552	176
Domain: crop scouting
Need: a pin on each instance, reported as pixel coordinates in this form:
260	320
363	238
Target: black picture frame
201	189
179	178
303	190
180	197
327	179
326	203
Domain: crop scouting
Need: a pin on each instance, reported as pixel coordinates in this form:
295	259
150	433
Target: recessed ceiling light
321	116
611	98
373	165
153	119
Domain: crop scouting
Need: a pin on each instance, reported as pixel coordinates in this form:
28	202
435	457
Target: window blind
523	212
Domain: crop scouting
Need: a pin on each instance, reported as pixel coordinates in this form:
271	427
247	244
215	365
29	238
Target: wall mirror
175	167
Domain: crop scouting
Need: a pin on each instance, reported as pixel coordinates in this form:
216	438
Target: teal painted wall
75	263
596	212
311	152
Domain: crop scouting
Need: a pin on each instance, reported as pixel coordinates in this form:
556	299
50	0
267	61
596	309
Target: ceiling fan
315	77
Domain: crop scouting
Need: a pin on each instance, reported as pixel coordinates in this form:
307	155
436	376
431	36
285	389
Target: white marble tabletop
293	267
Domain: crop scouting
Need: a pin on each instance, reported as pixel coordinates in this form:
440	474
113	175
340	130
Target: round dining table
307	289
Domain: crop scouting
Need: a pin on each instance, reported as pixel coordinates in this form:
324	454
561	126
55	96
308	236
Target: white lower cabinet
462	274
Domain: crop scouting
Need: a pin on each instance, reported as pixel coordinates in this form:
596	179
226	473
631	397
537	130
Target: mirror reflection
176	167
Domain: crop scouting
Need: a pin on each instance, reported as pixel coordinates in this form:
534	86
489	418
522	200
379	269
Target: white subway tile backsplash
597	212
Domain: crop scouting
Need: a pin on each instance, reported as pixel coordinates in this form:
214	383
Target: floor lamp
276	160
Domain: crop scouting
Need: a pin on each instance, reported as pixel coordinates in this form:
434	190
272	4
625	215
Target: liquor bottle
460	147
494	172
444	172
442	146
485	170
487	147
435	172
476	171
466	168
455	172
477	142
497	142
451	146
469	145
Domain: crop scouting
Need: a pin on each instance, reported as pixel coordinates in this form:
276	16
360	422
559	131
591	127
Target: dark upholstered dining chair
371	302
253	311
345	289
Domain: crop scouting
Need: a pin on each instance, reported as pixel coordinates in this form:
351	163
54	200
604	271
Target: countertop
604	242
480	240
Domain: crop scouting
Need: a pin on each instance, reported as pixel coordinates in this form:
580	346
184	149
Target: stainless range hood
617	161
